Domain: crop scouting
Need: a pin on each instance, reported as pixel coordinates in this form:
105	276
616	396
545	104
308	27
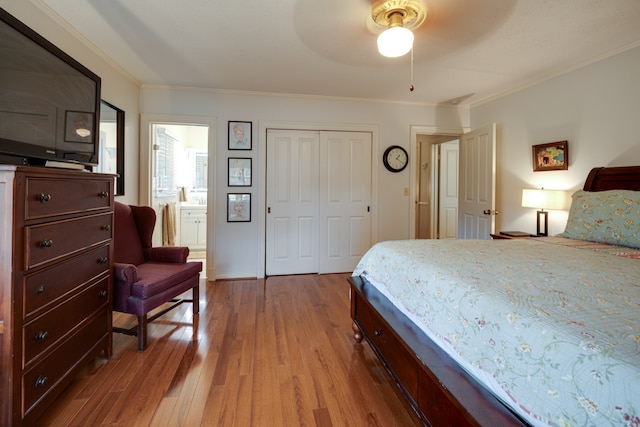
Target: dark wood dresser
55	283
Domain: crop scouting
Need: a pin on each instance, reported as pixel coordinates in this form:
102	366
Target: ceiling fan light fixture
399	18
395	41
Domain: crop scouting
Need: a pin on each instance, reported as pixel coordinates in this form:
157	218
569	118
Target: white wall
237	244
118	88
596	108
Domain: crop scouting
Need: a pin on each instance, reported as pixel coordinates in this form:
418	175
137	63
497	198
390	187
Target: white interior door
345	200
448	191
292	202
423	228
476	217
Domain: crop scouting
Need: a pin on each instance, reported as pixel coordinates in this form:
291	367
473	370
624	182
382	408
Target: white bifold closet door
318	217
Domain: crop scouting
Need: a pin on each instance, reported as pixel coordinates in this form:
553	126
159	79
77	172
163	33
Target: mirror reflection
111	138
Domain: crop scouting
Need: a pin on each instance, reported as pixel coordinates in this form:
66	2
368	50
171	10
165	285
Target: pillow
611	217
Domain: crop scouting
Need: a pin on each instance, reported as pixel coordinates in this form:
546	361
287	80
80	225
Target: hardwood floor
273	352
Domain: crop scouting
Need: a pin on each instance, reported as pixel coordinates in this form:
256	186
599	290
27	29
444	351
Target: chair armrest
175	254
125	273
124	277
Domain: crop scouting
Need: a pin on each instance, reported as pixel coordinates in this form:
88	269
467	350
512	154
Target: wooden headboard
613	178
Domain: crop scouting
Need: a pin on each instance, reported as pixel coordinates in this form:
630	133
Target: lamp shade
545	199
395	41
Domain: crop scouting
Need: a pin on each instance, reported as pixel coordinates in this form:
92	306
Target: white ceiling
466	49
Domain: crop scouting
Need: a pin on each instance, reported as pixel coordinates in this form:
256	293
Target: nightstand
510	235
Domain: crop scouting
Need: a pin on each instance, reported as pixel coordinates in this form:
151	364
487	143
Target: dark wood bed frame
440	392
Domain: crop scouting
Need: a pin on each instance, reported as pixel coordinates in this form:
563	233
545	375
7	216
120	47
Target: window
201	171
163	148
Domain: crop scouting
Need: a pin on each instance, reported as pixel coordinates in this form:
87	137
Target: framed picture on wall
238	207
239	172
239	135
551	156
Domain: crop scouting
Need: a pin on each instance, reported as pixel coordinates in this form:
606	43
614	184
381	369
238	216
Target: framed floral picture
238	207
551	156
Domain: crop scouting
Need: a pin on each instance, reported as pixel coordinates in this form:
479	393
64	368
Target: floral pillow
611	217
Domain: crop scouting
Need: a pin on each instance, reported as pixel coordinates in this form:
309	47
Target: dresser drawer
57	196
47	329
42	377
47	242
44	287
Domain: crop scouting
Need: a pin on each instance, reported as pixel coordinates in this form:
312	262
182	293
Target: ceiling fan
399	17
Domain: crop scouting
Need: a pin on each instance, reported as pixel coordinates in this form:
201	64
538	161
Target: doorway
179	171
436	186
476	180
179	161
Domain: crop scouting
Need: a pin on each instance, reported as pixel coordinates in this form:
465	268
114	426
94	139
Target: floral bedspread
551	325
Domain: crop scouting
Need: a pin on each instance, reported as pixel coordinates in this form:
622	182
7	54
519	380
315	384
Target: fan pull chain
411	82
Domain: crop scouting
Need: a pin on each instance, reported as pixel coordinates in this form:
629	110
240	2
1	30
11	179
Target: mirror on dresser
111	158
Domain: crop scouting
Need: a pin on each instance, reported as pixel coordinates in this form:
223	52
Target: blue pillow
611	217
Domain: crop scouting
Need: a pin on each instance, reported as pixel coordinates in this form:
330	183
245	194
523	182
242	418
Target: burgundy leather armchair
146	277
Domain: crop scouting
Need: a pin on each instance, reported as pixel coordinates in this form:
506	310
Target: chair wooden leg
142	332
196	299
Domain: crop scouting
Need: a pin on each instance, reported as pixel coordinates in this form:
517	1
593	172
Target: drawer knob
107	227
377	332
104	194
47	243
103	260
102	293
40	290
41	336
41	381
44	197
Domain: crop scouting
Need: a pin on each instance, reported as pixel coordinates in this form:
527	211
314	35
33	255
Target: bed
539	331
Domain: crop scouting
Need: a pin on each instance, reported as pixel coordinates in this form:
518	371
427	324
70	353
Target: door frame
413	166
265	125
146	158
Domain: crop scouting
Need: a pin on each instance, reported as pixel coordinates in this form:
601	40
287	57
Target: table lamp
544	199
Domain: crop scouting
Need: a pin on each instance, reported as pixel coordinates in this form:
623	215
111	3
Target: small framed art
239	172
551	156
78	126
239	135
238	207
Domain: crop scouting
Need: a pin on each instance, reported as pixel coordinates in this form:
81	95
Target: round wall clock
395	158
